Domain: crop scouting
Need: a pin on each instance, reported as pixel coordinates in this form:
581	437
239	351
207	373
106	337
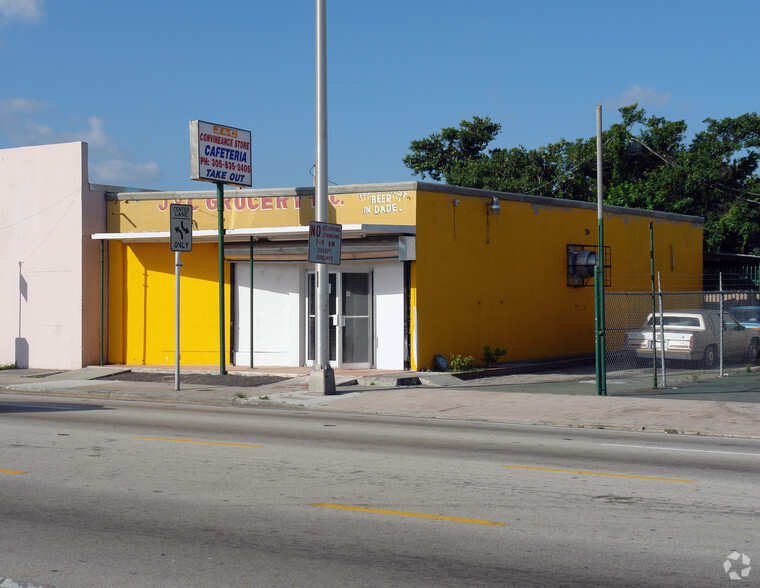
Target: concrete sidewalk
705	405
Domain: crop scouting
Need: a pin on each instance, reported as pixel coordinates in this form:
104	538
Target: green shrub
460	363
491	356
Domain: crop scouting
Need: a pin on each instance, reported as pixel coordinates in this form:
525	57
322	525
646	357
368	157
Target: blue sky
127	77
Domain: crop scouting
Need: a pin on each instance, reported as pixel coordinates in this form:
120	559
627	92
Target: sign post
322	377
181	239
222	155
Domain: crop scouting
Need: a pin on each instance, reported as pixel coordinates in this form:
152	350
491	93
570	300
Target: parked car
748	316
694	335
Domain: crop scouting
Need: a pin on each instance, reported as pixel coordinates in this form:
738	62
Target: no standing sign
324	242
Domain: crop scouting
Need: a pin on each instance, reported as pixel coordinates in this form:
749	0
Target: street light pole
322	377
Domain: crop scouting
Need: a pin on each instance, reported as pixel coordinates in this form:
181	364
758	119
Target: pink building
50	288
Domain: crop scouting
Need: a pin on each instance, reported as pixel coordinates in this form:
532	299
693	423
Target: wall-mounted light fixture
493	206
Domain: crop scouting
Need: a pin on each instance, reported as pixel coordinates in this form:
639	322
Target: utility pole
322	377
601	370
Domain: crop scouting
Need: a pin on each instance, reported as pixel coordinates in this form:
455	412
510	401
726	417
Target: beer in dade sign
220	154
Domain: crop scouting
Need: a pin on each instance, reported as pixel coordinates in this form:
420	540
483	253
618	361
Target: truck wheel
752	352
711	357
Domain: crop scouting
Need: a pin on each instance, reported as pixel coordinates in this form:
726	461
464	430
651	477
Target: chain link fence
677	332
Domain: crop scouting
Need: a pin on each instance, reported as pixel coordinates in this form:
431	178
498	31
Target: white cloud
18	124
28	10
117	172
25	105
20	128
644	96
108	164
95	136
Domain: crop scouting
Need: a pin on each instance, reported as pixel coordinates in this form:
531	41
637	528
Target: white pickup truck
693	335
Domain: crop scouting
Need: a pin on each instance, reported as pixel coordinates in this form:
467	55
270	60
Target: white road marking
680	449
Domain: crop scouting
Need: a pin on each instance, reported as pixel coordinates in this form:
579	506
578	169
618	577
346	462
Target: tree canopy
649	163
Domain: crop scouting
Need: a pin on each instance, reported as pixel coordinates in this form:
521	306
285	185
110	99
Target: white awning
354	231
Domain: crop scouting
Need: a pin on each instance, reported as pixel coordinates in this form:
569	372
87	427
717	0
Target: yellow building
426	269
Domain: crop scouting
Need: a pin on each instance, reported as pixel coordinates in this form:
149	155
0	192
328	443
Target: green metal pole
597	350
602	344
251	300
601	369
654	310
220	223
102	293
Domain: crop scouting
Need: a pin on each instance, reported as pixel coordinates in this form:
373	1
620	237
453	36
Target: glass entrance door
350	324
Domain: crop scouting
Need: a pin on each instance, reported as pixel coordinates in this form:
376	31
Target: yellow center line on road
11	472
201	442
600	474
409	514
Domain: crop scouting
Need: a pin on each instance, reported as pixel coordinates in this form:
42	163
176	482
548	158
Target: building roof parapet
400	187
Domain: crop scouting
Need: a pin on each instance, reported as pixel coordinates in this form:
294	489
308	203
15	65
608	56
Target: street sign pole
177	265
223	155
180	239
220	228
250	300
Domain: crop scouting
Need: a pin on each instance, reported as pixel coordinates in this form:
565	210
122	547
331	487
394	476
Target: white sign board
220	154
181	227
324	242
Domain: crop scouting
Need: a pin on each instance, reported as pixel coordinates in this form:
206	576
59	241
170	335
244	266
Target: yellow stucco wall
141	304
501	280
478	279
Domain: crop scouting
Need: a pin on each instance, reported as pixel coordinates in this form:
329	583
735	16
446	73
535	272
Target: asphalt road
96	493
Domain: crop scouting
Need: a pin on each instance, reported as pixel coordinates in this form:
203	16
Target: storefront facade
425	269
265	253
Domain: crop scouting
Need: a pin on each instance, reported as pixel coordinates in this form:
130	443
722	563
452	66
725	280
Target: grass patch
8	366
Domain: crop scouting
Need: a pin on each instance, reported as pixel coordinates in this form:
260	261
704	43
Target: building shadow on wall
22	345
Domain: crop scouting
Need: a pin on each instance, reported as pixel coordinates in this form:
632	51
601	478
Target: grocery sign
220	154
